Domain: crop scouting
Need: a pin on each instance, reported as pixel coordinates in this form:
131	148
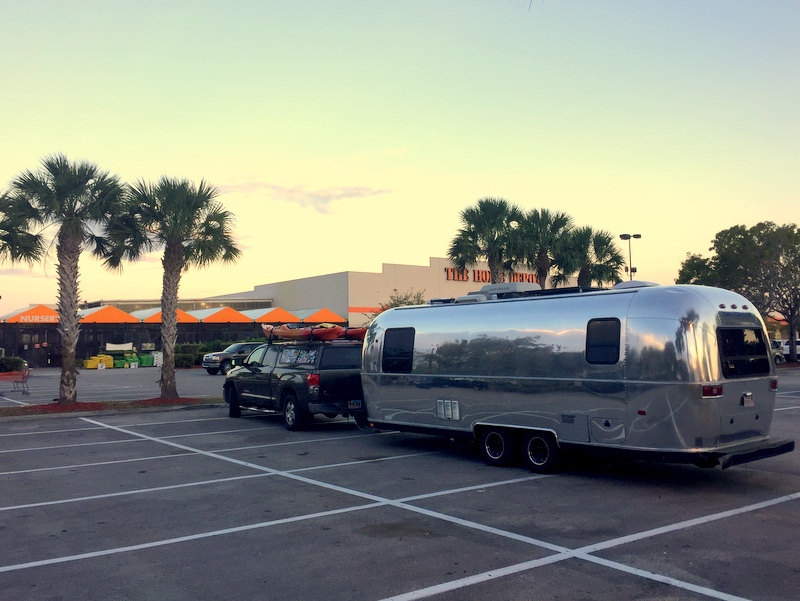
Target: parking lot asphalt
111	385
188	504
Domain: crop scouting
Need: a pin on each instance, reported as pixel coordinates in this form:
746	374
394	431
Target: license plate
748	400
354	404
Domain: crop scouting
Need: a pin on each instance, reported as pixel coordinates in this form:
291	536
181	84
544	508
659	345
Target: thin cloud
22	271
320	200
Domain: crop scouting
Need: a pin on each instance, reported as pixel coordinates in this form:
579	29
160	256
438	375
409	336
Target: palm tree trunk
68	252
496	271
172	264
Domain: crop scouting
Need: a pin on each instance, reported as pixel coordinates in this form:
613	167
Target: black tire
293	416
540	452
234	409
498	446
330	415
212	372
225	367
360	417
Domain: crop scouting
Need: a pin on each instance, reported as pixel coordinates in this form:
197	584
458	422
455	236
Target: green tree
400	299
488	231
191	227
17	243
697	270
74	199
762	263
543	236
591	255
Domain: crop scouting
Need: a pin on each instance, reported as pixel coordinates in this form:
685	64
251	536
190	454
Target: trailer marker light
722	305
712	391
642	412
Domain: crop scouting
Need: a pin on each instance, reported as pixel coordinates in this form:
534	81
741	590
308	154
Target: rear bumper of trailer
727	457
751	452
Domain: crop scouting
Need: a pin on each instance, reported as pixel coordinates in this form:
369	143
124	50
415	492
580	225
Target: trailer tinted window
398	350
602	341
743	352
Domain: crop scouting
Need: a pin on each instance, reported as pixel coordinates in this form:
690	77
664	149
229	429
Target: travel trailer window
398	350
602	341
743	352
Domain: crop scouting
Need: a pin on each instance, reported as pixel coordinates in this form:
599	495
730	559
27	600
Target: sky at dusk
347	134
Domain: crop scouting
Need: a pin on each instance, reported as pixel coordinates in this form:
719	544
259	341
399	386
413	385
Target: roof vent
508	290
633	284
470	298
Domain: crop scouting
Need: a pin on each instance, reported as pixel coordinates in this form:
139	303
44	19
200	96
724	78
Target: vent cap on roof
472	297
633	284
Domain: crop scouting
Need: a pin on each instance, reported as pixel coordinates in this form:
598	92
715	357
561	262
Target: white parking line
560	553
5	398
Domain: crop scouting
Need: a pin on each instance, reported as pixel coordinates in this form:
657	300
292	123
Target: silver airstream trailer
665	373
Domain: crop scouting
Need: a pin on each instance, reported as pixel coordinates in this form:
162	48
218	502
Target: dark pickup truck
299	379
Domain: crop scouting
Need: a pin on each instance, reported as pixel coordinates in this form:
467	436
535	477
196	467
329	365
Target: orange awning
220	315
273	315
34	315
106	314
320	316
154	316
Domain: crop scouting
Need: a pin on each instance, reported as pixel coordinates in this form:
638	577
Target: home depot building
345	297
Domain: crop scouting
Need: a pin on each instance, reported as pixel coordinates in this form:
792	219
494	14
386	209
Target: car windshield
234	348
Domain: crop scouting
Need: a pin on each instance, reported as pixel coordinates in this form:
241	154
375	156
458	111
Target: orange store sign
484	276
38	319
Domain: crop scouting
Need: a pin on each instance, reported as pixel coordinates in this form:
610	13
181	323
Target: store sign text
485	276
38	318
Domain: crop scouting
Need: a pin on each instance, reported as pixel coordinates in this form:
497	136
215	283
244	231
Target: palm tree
543	233
74	199
17	243
192	228
488	231
592	255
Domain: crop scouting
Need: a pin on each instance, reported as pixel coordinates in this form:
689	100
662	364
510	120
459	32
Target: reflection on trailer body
675	373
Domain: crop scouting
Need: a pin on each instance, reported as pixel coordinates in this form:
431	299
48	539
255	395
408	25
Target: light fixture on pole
630	268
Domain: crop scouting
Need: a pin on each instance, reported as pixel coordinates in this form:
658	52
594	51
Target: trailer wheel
234	409
540	452
498	446
293	417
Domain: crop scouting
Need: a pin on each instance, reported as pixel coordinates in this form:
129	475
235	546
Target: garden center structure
348	297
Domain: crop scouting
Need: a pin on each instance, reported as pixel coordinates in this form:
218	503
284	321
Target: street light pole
631	269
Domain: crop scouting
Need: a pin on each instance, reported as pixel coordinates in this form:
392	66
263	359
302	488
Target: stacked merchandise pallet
107	361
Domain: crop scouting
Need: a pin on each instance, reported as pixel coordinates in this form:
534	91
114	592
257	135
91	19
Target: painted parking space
189	504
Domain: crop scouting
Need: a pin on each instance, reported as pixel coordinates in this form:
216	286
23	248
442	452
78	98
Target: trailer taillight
712	391
312	379
773	385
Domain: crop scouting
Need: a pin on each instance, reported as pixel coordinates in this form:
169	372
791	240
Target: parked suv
299	379
223	361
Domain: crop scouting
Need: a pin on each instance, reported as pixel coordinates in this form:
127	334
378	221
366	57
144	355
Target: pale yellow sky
349	134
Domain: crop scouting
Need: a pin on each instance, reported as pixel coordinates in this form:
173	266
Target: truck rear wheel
234	409
540	452
498	446
293	416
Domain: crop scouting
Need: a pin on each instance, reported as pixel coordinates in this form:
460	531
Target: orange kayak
354	333
324	331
